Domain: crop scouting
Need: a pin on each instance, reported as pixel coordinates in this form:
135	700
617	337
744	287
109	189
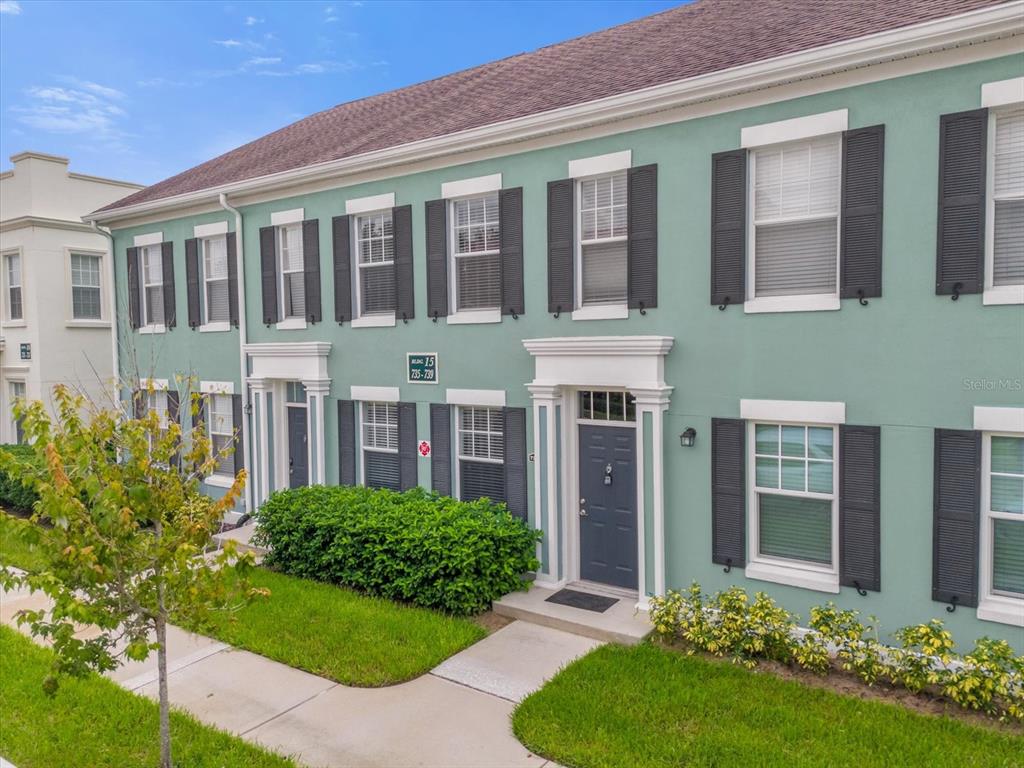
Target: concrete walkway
457	715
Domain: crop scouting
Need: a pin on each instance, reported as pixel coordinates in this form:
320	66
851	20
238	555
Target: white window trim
610	311
283	218
374	394
103	321
374	321
210	230
5	286
151	238
288	323
481	398
217	387
218	327
377	319
458	316
362	447
1002	93
221	325
143	302
154	328
793	573
291	324
475	316
602	312
992	607
813	302
11	423
794	129
220	479
794	411
599	165
479	185
991	419
371	204
457	437
991	294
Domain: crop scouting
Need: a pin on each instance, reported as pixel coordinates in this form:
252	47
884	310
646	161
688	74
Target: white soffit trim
807	411
1002	92
375	394
217	387
294	216
371	203
153	238
153	383
988	419
475	186
591	166
794	129
487	397
210	230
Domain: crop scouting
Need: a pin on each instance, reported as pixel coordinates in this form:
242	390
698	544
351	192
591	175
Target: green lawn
93	722
13	549
648	706
342	635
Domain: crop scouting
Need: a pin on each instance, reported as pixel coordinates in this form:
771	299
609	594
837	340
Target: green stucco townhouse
733	293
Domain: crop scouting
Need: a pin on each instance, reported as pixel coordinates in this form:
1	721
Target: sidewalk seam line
286	711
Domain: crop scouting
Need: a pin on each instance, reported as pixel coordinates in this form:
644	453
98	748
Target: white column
655	402
548	397
316	400
261	446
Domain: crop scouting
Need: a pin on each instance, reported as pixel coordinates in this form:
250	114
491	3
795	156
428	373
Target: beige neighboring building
56	303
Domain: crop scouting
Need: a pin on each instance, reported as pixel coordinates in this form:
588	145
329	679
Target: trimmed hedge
416	547
13	494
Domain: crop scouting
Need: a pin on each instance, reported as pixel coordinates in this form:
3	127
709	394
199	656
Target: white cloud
228	43
251	21
12	7
262	61
87	109
329	15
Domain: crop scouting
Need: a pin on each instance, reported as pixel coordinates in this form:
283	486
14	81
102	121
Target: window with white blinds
12	277
16	393
481	453
1008	197
156	400
796	218
85	286
152	270
794	485
293	285
380	445
215	279
220	418
375	263
475	252
603	229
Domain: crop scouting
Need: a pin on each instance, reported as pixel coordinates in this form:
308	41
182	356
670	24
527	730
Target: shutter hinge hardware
860	297
558	311
724	304
436	315
643	309
860	590
512	311
728	565
341	320
952	604
405	319
956	291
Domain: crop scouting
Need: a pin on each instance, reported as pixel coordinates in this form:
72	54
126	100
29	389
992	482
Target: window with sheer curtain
603	230
1008	197
375	247
215	279
293	286
796	197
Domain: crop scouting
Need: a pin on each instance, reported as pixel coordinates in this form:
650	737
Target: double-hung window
1002	533
375	263
216	295
476	267
602	274
12	276
481	453
380	445
293	286
85	287
220	423
156	400
793	501
16	391
152	265
794	229
1006	207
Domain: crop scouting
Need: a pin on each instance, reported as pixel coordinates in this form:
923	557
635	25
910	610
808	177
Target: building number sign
421	367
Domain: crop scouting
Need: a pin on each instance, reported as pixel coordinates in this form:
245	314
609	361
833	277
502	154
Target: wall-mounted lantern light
688	438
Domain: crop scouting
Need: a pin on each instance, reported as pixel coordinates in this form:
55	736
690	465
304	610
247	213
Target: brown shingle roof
683	42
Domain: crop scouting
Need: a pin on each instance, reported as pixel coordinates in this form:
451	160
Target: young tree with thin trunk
125	534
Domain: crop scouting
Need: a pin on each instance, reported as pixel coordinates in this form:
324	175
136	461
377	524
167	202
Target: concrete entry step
241	536
622	623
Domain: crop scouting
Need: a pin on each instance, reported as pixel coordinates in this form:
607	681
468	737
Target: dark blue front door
298	465
608	537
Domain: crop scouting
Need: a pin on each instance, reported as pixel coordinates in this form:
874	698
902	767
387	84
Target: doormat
584	600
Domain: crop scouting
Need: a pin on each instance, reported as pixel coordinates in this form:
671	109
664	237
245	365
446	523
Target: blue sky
140	91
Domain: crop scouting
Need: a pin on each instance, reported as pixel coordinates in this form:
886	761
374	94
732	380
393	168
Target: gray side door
608	536
298	464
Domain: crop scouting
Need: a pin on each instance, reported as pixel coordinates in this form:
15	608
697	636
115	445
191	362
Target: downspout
111	271
243	366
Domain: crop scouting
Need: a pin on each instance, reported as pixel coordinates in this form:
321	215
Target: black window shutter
192	281
729	492
860	507
405	300
167	257
441	448
728	227
311	269
232	247
960	253
268	273
561	246
642	245
237	423
173	416
133	288
437	258
199	417
516	493
139	403
510	217
342	247
957	511
347	442
860	242
408	460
